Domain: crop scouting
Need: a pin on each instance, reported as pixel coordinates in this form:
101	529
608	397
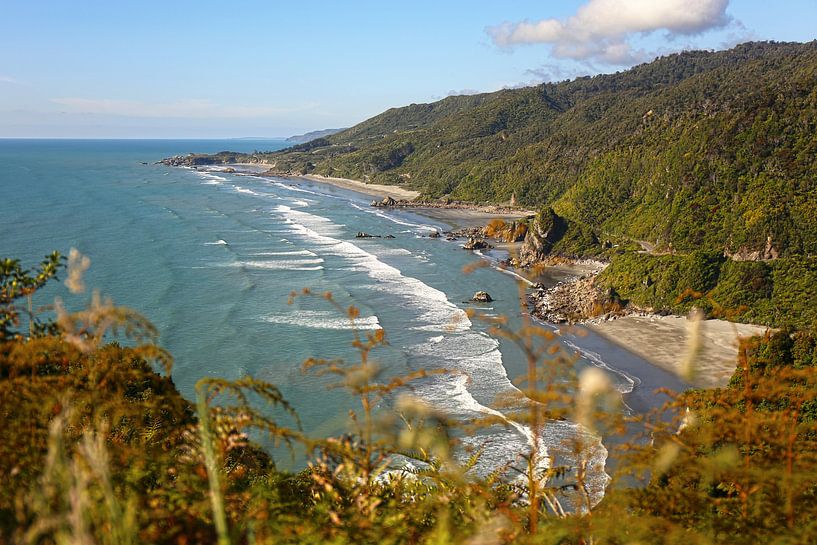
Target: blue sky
202	69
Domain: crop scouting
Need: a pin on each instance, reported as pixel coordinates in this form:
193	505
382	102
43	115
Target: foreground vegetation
97	446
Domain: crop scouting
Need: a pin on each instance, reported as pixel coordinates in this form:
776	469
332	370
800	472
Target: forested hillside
696	149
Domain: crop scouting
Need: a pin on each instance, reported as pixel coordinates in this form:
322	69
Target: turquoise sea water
210	258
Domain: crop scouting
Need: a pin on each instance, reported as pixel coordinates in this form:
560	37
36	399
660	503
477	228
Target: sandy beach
376	190
462	218
456	217
663	341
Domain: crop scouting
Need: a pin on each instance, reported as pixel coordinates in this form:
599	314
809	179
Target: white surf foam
476	375
219	242
210	179
467	353
284	264
323	320
629	381
245	190
310	221
287	252
393	219
392	251
298	189
432	305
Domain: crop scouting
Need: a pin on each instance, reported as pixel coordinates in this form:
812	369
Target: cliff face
544	231
763	254
550	235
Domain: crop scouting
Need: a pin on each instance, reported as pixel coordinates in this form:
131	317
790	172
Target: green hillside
697	149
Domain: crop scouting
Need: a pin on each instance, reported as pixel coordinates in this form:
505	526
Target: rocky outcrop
476	244
387	202
745	254
543	232
567	302
466	232
220	158
361	234
194	160
482	297
576	300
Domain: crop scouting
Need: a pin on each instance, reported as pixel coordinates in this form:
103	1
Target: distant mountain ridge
313	135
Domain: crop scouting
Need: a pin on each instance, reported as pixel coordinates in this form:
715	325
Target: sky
207	69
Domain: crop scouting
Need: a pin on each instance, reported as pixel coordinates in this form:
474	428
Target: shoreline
462	218
700	352
664	341
375	190
461	215
661	341
458	216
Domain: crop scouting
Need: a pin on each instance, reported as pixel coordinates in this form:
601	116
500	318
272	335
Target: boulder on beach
475	244
385	203
482	297
435	234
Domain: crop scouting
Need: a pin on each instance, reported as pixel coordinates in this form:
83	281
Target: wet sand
664	341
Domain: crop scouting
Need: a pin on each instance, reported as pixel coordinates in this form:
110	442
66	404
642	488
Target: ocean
211	258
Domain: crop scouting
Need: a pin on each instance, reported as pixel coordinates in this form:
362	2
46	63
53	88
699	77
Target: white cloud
189	109
600	29
10	80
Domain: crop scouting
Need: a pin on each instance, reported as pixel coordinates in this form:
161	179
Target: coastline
661	341
464	218
457	216
375	190
702	353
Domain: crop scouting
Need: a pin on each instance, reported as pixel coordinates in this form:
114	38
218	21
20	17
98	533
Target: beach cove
224	250
663	341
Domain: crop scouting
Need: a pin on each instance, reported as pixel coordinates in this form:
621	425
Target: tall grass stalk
211	464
